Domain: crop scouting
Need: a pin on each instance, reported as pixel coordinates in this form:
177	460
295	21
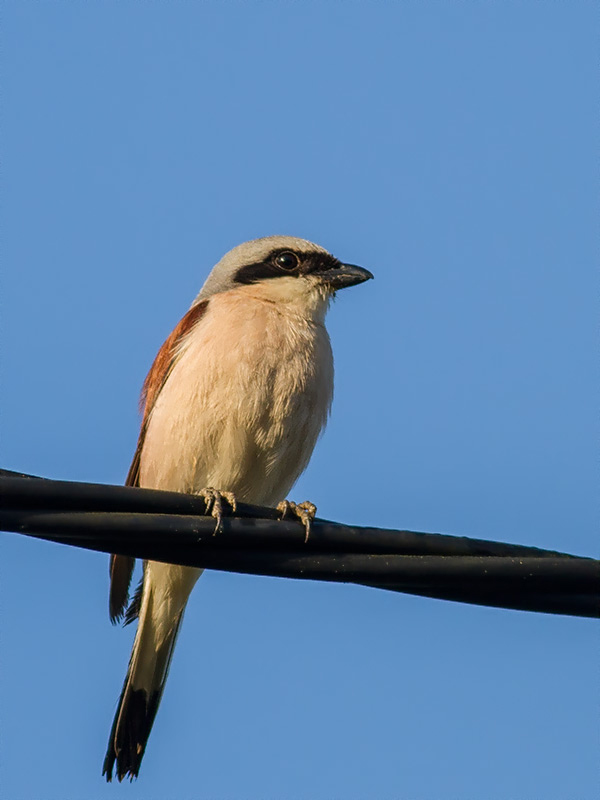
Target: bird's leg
214	503
304	511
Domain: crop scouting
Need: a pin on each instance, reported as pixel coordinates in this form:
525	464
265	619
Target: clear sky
451	148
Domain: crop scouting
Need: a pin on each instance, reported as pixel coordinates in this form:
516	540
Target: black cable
173	527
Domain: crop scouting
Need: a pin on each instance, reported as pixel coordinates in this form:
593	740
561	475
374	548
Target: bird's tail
158	626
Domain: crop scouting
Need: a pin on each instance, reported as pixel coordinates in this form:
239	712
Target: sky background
451	148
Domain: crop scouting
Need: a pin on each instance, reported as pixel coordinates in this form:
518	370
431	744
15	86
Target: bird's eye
287	260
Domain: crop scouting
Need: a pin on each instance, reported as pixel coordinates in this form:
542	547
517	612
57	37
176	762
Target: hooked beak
345	275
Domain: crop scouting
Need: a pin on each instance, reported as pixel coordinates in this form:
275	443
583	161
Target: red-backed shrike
235	399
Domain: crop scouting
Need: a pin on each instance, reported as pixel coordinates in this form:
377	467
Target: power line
173	527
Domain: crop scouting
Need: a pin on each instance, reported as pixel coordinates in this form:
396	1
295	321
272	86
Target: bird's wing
121	567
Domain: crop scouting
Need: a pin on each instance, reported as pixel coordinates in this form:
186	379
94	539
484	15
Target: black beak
345	275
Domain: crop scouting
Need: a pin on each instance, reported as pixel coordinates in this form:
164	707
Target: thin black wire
173	527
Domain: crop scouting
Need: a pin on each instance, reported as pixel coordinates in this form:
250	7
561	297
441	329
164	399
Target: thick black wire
172	527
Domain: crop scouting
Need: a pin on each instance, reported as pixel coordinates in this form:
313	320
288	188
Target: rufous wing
121	567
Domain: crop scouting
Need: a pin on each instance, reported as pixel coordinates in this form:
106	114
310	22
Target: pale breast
244	404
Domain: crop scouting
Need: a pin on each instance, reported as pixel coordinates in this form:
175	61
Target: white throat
303	297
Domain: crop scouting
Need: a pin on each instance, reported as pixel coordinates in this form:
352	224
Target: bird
232	408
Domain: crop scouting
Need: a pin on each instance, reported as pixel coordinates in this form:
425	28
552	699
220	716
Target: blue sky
451	148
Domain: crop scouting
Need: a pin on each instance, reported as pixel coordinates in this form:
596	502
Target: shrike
232	407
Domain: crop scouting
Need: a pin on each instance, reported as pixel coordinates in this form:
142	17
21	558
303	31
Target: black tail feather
129	736
135	715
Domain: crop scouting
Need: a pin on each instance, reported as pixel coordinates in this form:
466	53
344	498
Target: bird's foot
304	511
214	503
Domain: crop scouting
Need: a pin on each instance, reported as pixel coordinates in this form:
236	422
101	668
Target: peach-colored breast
244	403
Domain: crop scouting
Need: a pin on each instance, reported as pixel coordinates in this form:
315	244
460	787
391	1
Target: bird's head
284	270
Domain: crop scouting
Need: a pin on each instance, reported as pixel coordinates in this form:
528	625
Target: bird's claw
214	504
304	511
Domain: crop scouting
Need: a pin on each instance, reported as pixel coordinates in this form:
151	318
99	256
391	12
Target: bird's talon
214	504
305	512
285	507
